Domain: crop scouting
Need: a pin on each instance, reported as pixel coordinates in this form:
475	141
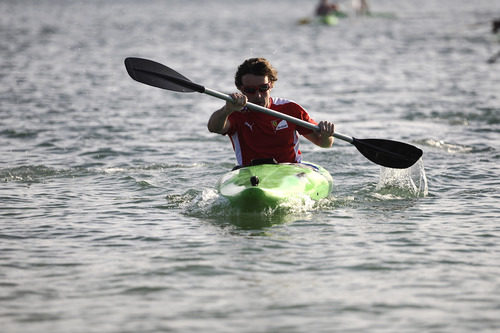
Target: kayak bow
257	187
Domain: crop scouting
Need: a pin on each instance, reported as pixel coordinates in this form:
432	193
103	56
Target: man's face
257	89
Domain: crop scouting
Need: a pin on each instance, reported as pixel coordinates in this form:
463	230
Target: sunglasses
253	89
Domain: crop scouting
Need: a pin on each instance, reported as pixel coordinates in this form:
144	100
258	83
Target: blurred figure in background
360	7
325	8
495	28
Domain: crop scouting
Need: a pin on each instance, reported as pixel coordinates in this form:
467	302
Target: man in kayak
325	8
256	135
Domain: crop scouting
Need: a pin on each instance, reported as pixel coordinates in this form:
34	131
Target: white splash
410	182
448	147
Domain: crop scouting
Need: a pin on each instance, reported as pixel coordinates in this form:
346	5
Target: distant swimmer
495	28
360	7
325	8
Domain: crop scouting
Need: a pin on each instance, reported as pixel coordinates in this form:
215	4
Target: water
109	221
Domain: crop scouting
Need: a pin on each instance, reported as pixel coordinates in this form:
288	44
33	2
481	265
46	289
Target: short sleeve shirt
256	135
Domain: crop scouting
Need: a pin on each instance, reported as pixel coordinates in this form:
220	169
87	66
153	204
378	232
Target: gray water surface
109	218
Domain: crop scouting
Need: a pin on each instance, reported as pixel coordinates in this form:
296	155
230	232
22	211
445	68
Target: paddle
388	153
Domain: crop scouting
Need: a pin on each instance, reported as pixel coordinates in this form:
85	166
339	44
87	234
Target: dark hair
255	66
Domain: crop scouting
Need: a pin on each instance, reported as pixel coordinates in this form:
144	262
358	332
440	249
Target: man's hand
326	128
238	103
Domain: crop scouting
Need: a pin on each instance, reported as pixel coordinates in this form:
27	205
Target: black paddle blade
157	75
388	153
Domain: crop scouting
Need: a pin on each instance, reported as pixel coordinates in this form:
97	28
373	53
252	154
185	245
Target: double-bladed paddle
388	153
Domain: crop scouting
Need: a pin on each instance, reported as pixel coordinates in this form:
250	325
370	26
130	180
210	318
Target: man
324	8
256	135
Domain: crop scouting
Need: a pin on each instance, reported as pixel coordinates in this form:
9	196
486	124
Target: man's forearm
218	121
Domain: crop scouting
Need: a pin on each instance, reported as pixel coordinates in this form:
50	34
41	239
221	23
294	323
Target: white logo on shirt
249	125
282	125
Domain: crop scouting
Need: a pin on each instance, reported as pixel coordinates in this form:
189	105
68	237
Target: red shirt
256	135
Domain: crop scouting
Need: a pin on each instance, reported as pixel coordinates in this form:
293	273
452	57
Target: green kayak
332	19
257	187
329	19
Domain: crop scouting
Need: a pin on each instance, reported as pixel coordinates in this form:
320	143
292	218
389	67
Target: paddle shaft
277	114
201	89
